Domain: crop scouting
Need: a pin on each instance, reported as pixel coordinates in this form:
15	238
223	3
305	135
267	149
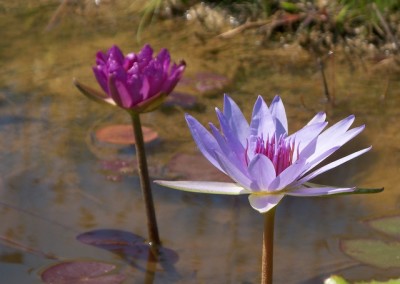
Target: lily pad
79	272
125	244
122	134
183	100
115	169
387	225
336	279
200	168
208	82
373	252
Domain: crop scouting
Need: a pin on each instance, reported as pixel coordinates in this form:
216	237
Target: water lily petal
335	144
204	140
307	134
288	176
264	203
318	191
115	54
262	123
211	187
227	150
174	77
278	112
124	96
236	120
334	164
234	170
101	78
330	135
313	161
319	117
262	172
230	135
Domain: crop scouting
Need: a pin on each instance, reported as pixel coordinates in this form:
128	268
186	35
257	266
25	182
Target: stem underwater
145	183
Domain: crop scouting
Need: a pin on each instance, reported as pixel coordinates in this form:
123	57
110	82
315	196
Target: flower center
278	150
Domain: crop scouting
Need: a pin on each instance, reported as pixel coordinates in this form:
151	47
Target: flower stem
145	182
268	247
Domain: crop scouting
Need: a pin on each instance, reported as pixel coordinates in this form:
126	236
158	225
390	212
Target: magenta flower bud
136	82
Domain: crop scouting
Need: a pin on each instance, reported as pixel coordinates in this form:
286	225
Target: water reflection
53	189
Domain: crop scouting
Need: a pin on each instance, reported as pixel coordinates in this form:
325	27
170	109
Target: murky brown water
53	186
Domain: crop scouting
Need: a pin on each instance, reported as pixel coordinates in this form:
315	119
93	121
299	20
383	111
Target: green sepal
358	190
91	93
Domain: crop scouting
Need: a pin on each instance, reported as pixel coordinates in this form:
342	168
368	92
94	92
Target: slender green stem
145	182
268	247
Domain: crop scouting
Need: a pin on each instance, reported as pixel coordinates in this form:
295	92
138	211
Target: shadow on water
55	185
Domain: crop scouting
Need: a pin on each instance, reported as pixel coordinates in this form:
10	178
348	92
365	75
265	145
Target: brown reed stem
145	183
268	247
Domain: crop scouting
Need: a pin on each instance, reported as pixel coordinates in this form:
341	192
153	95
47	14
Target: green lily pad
335	279
387	225
373	252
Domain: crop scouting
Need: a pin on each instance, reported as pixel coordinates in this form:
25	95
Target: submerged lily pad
387	225
373	252
125	244
207	82
200	168
183	100
122	134
79	272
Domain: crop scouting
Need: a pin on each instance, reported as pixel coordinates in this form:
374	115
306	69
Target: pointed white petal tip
209	187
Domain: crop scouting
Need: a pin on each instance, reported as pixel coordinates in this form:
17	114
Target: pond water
57	181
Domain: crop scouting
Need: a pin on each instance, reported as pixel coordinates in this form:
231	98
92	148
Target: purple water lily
262	159
137	82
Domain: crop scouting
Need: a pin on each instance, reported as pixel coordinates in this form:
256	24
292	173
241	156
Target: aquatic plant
137	83
262	159
267	163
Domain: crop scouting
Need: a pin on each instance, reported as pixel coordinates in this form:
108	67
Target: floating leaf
335	279
125	244
79	272
178	165
387	225
207	82
183	100
109	239
122	134
373	252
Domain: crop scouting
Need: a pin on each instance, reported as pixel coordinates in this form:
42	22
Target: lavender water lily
262	159
265	161
137	83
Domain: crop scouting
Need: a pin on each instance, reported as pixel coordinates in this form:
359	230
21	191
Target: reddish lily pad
389	225
200	168
125	244
79	272
122	134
